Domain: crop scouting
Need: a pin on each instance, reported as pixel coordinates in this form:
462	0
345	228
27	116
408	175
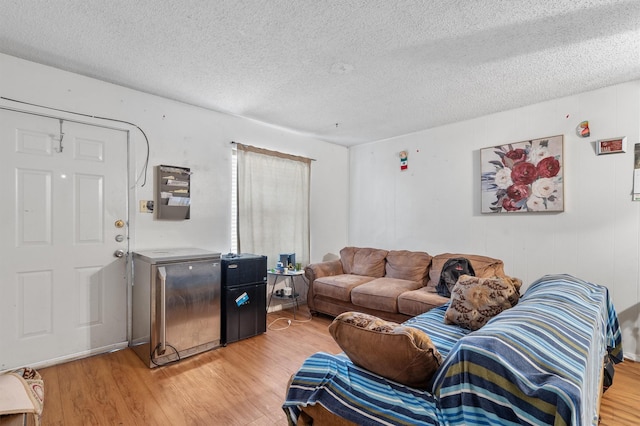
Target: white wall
184	135
435	205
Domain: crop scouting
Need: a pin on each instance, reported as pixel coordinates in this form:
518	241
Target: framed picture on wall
522	177
611	146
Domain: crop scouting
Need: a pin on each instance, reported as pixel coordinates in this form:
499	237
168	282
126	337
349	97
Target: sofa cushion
483	266
338	286
475	300
399	353
419	301
408	265
363	261
382	293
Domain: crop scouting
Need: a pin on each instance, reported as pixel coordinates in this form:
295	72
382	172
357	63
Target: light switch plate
146	206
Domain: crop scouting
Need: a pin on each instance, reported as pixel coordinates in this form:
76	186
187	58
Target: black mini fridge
244	296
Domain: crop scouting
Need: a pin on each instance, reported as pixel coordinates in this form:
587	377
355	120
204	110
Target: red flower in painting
548	167
514	156
509	205
523	173
518	192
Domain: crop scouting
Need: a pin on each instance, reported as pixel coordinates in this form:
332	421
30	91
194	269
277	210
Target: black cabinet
244	296
244	312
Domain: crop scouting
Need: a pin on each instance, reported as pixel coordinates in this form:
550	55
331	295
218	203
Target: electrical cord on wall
143	173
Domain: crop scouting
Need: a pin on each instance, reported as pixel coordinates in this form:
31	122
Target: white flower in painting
503	178
535	204
537	153
543	188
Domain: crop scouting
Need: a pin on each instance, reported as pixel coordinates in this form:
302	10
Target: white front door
63	293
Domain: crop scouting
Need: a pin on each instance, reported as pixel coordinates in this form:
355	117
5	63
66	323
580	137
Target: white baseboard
74	357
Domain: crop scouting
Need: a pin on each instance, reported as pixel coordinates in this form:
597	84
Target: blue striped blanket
538	363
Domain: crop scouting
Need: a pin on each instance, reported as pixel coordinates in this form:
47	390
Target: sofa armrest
318	270
323	269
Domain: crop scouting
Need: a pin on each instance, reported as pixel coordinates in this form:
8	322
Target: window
272	215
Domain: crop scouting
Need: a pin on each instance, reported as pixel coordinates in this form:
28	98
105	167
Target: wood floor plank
125	372
241	384
53	398
621	402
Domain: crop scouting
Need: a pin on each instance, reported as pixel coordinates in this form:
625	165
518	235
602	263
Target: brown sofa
391	284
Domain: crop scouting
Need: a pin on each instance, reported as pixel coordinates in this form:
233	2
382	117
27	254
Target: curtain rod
269	151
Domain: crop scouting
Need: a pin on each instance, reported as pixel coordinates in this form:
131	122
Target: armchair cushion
400	353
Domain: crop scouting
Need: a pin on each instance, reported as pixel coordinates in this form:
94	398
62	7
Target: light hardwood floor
241	384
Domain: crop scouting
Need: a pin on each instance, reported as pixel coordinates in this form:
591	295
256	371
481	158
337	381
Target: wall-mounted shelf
173	192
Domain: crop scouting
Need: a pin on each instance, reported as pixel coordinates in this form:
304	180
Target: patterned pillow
475	300
403	354
517	283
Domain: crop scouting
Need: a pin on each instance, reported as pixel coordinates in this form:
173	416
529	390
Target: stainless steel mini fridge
176	304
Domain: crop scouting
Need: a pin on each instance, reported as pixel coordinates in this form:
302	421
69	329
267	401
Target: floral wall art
523	177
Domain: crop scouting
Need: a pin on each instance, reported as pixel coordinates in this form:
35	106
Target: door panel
34	305
63	293
33	212
89	219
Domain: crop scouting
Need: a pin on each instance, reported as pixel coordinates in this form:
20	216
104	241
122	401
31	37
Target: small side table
289	281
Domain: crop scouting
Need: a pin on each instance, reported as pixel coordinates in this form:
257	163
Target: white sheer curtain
273	204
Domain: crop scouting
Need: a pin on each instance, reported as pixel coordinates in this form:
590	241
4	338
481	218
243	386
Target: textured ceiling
347	72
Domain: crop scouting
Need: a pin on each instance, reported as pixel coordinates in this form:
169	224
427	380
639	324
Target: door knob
119	253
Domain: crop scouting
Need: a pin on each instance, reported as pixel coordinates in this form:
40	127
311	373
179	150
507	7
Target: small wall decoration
583	129
403	160
611	146
523	176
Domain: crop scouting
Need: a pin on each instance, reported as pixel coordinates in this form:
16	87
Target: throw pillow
517	283
475	300
399	353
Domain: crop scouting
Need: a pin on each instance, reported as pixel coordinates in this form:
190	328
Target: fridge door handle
162	345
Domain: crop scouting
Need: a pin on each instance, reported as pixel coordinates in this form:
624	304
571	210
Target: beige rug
22	391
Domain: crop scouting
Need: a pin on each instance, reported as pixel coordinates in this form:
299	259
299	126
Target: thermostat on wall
611	146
